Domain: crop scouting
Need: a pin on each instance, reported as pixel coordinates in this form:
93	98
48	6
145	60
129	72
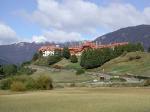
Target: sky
67	20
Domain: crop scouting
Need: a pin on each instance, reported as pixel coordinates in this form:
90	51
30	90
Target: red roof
87	44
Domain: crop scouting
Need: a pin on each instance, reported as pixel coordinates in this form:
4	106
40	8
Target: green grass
78	100
122	65
68	65
63	76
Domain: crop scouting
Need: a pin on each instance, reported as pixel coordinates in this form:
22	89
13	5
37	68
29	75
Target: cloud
82	17
7	35
57	36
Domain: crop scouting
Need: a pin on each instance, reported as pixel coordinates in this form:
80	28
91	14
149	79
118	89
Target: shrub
72	85
147	82
31	84
5	83
117	79
25	82
134	57
18	86
138	57
44	82
57	67
74	59
9	70
80	71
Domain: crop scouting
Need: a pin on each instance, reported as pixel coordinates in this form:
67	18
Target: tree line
92	58
11	70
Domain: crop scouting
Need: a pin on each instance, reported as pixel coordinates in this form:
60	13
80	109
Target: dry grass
78	100
63	76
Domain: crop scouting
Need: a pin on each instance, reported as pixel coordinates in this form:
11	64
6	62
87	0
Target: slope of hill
66	64
62	76
136	63
133	34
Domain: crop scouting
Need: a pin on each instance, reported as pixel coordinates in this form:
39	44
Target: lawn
78	100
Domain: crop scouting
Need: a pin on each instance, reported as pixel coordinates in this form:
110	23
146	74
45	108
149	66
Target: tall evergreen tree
66	53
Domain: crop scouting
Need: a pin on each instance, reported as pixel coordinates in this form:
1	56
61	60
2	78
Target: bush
18	86
44	83
74	59
147	82
117	79
80	71
26	83
72	85
138	57
57	67
134	57
31	84
5	83
9	70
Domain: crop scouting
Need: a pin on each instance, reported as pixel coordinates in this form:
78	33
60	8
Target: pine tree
66	53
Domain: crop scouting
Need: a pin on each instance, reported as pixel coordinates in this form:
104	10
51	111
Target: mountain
4	61
134	34
24	51
18	53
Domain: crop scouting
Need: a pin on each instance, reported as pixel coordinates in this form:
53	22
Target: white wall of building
48	53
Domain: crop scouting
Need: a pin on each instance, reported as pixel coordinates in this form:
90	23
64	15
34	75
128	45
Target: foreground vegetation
24	82
78	100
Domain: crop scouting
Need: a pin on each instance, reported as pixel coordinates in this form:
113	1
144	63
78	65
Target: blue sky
65	20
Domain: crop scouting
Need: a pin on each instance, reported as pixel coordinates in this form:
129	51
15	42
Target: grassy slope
78	100
68	65
122	65
60	76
